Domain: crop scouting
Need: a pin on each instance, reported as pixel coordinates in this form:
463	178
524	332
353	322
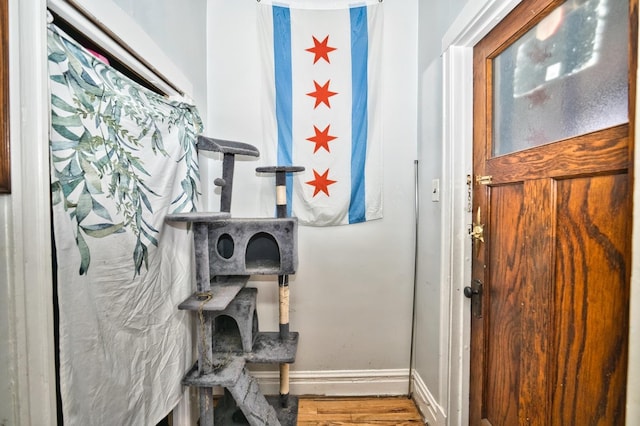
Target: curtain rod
132	60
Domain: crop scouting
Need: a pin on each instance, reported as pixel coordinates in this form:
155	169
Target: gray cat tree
228	251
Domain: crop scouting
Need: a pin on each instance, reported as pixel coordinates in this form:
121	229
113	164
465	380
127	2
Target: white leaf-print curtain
122	158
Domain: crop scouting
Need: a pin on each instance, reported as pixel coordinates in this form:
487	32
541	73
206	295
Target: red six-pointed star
322	94
321	182
321	139
321	50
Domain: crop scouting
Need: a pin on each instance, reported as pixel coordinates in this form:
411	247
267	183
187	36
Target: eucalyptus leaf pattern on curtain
122	158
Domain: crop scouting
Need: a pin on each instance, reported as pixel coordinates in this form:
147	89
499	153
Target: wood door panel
591	295
593	153
556	302
504	311
535	296
550	346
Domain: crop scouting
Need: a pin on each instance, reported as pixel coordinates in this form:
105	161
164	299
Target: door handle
469	292
477	230
474	292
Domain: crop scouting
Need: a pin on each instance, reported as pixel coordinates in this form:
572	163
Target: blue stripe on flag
359	124
283	81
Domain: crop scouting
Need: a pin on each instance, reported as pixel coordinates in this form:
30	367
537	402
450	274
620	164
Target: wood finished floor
324	411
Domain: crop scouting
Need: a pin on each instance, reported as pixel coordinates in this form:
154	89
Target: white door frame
28	218
473	23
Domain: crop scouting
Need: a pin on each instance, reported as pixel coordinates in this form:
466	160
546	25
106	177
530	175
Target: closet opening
103	55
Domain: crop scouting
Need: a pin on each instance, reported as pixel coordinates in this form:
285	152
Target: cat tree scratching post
283	280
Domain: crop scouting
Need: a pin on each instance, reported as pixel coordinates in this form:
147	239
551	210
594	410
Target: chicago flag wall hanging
321	82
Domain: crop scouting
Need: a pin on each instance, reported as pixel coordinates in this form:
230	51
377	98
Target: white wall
430	345
352	294
179	28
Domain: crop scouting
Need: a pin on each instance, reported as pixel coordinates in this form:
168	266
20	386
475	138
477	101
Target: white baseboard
338	382
431	411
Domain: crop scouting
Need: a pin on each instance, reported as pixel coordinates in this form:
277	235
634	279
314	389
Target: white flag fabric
321	75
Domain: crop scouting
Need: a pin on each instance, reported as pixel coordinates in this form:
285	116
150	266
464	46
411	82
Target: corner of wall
432	413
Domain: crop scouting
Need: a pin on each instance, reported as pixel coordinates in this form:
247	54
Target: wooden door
552	215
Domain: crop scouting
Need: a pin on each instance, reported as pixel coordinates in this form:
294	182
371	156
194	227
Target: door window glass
565	77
